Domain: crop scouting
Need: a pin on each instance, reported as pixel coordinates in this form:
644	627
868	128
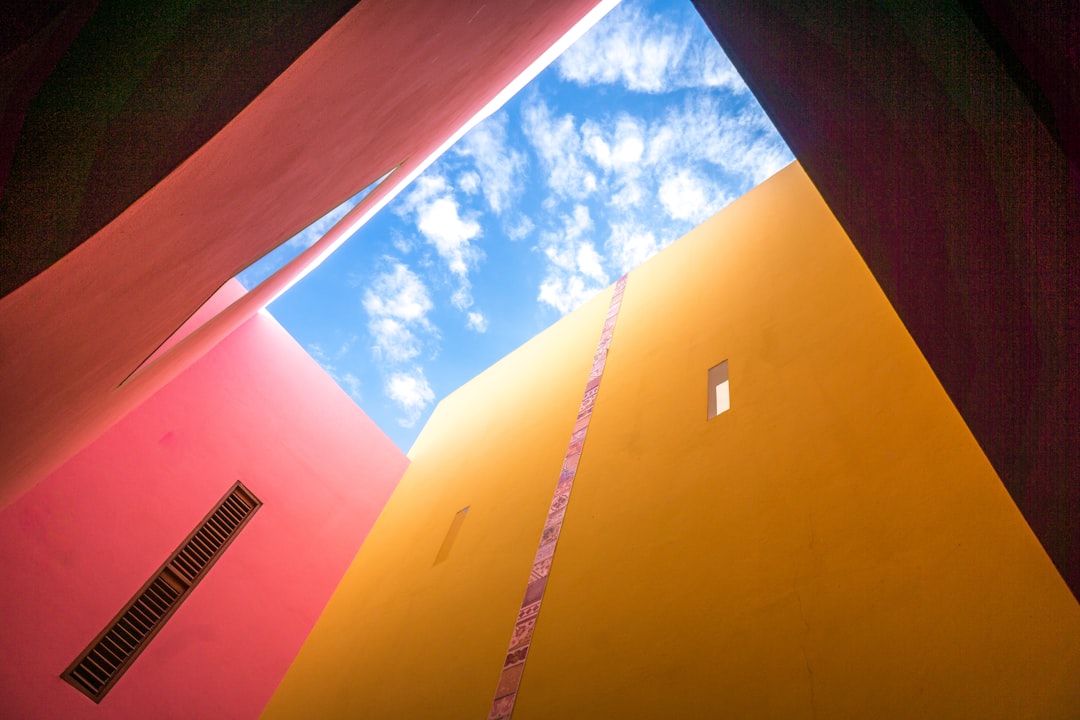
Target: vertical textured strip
514	665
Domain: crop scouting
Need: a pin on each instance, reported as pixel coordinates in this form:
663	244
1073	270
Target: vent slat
133	624
127	622
198	547
185	568
155	606
165	593
195	555
123	637
137	620
225	521
100	665
219	526
201	542
145	609
243	500
208	547
207	540
192	560
87	680
149	612
153	601
240	505
104	658
107	668
118	652
213	531
160	594
93	671
229	513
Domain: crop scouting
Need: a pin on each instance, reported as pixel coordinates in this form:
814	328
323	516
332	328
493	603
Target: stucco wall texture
835	545
75	549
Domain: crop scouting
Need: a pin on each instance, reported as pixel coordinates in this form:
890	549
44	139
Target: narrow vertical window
111	653
719	392
451	535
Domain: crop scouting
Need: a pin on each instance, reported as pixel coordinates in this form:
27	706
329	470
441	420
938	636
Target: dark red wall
106	97
75	548
924	130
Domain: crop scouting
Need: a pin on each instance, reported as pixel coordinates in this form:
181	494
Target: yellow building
834	545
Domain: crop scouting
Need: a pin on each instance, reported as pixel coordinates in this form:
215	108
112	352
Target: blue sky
636	134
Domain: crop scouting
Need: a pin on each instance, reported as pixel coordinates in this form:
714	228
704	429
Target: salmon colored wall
385	87
73	550
836	545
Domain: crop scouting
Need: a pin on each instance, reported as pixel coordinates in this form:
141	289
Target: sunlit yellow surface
835	545
405	637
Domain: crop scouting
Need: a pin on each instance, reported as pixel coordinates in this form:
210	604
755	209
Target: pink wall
75	548
387	85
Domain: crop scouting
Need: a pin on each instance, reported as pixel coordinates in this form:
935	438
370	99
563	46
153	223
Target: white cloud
619	149
520	228
442	225
469	182
566	292
402	244
558	144
411	392
588	262
500	167
686	196
630	245
396	303
574	267
398	294
630	195
438	218
393	340
476	321
648	54
741	143
462	297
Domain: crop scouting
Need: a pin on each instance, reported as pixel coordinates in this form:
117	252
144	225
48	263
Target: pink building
255	409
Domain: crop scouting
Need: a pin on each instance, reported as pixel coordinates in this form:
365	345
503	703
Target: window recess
719	392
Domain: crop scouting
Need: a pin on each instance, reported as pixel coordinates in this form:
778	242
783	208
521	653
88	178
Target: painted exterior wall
945	137
384	88
836	545
74	550
405	637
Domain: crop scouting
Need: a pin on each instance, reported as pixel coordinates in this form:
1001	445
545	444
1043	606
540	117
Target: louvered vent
111	653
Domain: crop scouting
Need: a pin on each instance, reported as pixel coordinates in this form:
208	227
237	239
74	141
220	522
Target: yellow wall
404	637
836	544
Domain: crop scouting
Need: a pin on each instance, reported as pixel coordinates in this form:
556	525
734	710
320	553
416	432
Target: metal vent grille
102	663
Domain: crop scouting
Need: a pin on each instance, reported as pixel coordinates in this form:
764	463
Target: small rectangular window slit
451	535
719	392
111	653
